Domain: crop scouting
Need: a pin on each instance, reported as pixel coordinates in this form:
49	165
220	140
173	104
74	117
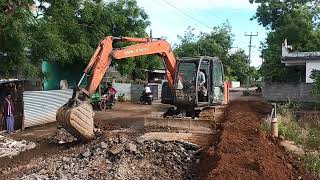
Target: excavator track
77	120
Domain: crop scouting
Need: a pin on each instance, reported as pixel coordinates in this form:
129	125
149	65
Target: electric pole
249	58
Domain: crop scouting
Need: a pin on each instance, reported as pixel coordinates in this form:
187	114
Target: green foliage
312	162
121	98
67	32
315	75
283	20
287	124
313	140
15	36
216	43
265	125
290	130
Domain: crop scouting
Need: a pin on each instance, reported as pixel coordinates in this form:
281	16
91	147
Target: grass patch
312	163
313	139
308	137
266	126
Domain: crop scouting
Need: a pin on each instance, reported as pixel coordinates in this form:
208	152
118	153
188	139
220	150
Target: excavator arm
105	54
77	115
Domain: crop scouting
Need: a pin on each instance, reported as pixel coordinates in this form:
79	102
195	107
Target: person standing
8	109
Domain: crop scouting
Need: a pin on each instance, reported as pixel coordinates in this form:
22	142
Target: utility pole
249	58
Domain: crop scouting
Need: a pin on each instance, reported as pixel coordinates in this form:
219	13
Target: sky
170	18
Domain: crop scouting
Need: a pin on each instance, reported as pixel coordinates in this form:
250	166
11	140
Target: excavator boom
77	115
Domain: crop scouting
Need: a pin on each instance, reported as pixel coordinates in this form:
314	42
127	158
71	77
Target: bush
121	97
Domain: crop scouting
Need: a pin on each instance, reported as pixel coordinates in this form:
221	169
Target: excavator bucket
77	120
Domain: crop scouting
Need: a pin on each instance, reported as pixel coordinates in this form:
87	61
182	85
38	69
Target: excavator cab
199	82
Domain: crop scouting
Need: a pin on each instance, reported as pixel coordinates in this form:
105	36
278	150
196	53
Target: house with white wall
294	91
311	60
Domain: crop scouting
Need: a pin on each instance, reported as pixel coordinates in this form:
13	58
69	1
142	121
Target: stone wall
295	92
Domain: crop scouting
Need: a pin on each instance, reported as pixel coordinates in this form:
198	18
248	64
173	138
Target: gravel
118	158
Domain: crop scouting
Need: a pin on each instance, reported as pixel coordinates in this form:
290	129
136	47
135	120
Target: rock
290	146
153	178
117	149
66	159
108	162
197	161
42	171
104	145
131	147
289	166
87	153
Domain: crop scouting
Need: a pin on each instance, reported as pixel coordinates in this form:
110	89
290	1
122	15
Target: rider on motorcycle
147	90
110	92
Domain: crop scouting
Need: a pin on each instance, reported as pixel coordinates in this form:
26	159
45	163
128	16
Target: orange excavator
183	89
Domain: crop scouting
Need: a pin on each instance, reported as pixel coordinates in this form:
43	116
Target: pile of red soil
243	151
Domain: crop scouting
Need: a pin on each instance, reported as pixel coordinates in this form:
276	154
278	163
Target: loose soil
238	149
243	151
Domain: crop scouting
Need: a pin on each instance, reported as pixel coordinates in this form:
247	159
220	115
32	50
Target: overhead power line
186	14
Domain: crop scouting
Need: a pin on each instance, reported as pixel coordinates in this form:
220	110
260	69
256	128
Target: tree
284	20
15	37
67	32
315	75
238	67
216	43
70	31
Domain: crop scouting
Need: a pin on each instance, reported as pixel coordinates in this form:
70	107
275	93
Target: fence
40	107
132	92
297	92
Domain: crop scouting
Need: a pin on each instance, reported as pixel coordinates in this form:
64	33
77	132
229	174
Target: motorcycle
106	102
146	98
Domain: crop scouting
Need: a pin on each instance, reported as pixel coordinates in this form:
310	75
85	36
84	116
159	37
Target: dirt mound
243	151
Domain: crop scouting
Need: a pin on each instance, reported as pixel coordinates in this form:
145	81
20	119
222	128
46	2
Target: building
311	60
295	91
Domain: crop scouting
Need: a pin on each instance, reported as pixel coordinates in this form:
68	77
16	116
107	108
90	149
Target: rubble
131	147
117	149
119	158
63	136
10	147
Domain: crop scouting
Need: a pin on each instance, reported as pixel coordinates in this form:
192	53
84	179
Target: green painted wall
55	72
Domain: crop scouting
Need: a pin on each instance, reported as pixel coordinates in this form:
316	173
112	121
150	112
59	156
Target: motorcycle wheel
103	105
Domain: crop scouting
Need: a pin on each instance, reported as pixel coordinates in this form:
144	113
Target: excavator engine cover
77	120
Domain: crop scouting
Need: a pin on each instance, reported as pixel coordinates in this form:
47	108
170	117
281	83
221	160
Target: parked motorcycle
146	98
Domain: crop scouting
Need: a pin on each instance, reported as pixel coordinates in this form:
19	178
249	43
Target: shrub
121	97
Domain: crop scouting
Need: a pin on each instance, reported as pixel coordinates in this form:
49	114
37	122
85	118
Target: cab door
217	86
203	98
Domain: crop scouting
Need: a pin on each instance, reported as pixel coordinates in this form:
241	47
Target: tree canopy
216	43
295	20
15	36
67	32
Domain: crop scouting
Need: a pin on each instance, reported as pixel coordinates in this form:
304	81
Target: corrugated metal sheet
40	107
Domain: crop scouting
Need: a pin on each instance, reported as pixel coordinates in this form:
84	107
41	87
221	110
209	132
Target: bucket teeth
77	120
